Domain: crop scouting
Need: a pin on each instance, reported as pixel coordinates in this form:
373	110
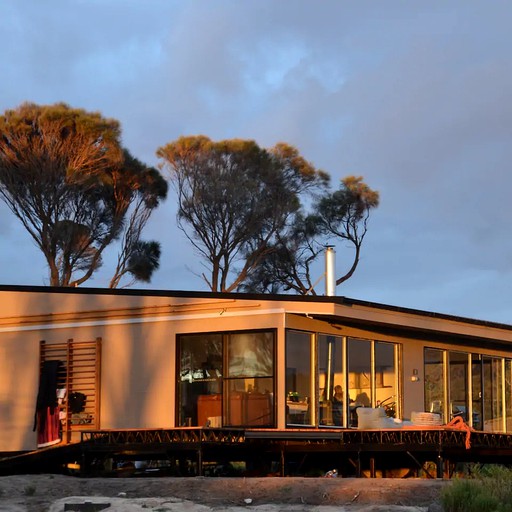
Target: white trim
140	320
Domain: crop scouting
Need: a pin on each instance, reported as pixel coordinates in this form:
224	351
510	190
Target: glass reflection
330	381
251	355
359	353
299	378
241	396
200	379
458	385
434	381
385	378
492	393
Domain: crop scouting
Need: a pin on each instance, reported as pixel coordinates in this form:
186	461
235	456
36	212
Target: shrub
486	489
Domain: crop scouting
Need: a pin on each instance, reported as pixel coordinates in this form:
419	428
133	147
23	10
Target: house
76	359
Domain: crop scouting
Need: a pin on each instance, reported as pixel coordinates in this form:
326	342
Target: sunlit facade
128	359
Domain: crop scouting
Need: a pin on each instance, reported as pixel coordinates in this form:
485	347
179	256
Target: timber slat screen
79	376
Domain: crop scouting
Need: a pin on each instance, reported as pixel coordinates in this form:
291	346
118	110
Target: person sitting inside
337	405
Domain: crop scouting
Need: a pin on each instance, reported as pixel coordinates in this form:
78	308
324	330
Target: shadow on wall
19	382
137	364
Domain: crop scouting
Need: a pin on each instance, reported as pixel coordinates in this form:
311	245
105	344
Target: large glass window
434	381
477	380
329	377
226	379
331	382
508	394
458	385
201	371
299	378
492	393
359	353
249	379
476	391
386	374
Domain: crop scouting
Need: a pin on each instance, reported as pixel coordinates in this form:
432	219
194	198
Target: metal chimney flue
330	271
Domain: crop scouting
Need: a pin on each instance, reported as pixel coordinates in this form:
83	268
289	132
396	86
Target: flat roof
341	300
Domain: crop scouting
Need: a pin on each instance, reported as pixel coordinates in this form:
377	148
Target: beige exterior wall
138	362
139	346
19	378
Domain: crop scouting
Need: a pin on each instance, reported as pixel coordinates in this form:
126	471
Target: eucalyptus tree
65	175
335	217
235	199
343	215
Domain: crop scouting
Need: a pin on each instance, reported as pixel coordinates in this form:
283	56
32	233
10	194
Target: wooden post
200	460
372	467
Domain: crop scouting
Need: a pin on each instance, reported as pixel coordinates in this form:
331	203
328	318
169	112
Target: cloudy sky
416	97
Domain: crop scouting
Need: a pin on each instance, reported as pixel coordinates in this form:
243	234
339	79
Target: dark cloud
414	97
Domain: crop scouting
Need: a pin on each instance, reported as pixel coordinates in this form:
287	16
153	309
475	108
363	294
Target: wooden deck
429	452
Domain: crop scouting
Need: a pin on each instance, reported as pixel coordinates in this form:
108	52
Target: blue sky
414	96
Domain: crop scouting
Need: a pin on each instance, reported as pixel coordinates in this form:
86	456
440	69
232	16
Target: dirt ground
36	493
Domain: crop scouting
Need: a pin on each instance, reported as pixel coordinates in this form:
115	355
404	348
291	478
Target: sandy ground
56	493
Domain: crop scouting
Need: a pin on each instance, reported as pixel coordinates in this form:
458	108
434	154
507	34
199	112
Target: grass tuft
486	489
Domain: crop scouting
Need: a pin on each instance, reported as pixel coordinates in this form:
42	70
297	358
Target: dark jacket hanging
47	393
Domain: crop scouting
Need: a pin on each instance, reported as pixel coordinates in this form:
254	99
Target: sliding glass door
475	387
328	377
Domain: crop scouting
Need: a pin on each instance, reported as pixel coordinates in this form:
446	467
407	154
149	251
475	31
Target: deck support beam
352	452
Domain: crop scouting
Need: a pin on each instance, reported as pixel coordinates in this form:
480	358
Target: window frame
224	379
499	403
313	417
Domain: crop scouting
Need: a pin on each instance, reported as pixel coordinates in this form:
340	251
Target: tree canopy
65	175
234	198
259	218
341	215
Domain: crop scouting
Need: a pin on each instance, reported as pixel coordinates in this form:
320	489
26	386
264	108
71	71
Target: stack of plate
427	419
